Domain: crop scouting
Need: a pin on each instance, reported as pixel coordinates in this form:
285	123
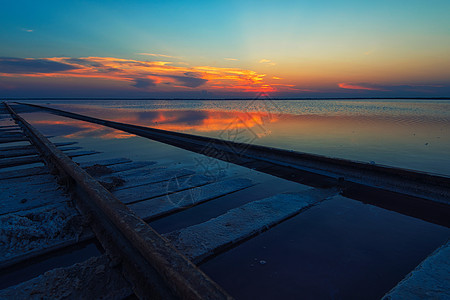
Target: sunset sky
219	49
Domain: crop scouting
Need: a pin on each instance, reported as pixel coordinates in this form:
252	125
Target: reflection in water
182	121
203	121
409	134
80	129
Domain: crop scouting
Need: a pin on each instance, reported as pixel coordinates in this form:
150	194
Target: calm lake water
413	134
340	249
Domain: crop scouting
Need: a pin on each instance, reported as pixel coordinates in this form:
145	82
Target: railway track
115	199
152	265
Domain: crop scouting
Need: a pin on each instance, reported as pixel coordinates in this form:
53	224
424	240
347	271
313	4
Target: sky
225	49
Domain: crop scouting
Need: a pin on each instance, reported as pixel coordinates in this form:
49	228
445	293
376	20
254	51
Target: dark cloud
422	88
378	88
100	68
192	74
131	62
187	81
109	70
84	62
14	65
143	83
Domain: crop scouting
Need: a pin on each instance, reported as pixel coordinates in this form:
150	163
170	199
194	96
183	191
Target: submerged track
150	263
418	194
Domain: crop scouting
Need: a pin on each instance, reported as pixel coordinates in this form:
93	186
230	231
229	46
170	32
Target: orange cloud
267	61
358	87
155	75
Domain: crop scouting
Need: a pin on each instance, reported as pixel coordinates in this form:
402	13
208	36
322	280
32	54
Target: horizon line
238	98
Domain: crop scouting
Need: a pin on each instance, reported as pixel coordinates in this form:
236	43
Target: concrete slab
430	280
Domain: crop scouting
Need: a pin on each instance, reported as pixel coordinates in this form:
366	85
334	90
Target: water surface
413	134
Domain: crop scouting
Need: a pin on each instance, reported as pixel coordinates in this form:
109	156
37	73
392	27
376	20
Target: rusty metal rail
153	266
418	194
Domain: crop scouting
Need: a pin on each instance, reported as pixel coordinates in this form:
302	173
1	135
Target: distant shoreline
228	99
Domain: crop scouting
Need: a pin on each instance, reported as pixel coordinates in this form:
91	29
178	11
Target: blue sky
293	48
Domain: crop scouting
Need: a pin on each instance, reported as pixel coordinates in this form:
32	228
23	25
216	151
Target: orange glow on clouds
157	75
358	87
